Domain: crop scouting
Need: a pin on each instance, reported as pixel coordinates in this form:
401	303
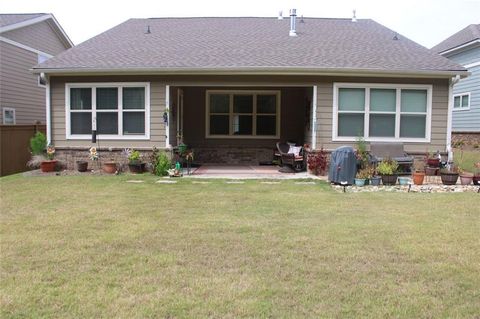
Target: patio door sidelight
179	116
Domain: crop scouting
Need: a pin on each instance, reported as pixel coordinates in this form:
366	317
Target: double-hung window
243	114
381	112
461	102
114	110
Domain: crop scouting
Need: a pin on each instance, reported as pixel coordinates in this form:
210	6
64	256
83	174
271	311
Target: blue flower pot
403	180
360	181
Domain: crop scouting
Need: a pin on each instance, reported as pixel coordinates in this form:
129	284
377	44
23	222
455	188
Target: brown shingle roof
468	34
249	43
8	19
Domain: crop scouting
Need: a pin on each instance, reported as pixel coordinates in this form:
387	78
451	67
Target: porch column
314	118
167	110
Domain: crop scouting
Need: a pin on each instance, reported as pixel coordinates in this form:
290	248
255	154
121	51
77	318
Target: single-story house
230	88
463	48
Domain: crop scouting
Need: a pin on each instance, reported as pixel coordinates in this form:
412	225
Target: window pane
350	125
219	124
81	98
456	101
134	98
267	104
107	98
242	124
412	126
133	122
351	99
464	100
219	103
8	117
243	104
266	125
81	123
383	100
414	101
107	123
382	125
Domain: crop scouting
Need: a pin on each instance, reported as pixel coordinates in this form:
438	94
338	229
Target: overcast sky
425	21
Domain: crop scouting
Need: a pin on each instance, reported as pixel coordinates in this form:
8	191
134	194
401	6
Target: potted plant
135	164
82	166
387	170
373	177
449	176
466	178
49	164
317	162
476	176
433	160
361	177
464	169
110	166
38	145
418	173
361	153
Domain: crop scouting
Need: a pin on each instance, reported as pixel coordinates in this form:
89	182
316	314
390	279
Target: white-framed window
8	116
242	114
382	112
115	110
461	102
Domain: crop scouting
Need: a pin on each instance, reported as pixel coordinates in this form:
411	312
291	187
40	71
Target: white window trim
4	110
120	111
367	87
461	108
231	113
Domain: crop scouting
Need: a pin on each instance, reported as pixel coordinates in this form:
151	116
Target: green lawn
91	247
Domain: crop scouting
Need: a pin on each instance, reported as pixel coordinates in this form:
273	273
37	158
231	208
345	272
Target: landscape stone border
430	188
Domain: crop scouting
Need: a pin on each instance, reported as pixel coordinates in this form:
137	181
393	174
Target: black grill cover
343	165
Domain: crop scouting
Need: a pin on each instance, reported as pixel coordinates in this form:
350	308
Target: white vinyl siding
382	112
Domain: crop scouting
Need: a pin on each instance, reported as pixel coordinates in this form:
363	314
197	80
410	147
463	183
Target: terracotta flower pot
449	178
82	166
48	166
466	178
418	178
431	171
110	167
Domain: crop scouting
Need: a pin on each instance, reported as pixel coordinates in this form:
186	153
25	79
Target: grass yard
94	247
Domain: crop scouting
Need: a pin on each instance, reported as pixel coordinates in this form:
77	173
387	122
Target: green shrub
38	144
162	164
387	167
134	157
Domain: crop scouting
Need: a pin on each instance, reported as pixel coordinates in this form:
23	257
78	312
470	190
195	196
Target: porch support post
167	110
314	118
451	83
48	111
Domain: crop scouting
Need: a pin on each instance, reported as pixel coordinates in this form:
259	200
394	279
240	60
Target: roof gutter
253	71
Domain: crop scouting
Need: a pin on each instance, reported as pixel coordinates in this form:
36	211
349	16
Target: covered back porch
239	125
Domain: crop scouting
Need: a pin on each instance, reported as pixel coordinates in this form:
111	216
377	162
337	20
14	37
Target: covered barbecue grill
343	165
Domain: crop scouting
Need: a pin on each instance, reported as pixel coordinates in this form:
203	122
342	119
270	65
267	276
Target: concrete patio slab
247	172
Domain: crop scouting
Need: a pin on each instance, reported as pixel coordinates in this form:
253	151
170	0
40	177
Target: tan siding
157	107
40	36
439	113
18	86
195	117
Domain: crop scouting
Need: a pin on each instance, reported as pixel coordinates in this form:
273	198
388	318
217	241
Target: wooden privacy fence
14	147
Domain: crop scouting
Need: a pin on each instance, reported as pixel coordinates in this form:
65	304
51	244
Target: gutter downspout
167	110
451	83
48	110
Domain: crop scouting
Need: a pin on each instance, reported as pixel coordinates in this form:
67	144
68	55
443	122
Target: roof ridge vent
354	18
147	30
293	16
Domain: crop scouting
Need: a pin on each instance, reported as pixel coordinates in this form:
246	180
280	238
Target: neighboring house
464	48
233	87
25	41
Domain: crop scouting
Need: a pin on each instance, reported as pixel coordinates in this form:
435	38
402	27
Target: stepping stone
270	183
199	182
305	183
235	182
166	182
134	181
